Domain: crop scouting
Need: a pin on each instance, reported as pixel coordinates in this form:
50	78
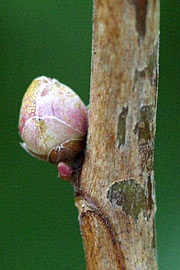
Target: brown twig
116	195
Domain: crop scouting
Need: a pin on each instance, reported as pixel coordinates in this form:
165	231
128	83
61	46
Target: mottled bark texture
116	194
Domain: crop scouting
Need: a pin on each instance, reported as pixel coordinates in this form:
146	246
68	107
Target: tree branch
116	195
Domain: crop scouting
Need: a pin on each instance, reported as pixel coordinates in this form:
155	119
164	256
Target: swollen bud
53	121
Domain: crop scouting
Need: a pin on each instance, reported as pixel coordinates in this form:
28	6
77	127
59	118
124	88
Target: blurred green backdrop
40	229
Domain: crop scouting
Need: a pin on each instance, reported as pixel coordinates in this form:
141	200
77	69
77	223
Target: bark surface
116	195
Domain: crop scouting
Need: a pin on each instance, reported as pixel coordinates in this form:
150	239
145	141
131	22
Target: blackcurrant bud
53	121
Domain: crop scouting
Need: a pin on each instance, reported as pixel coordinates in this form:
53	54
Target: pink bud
53	121
65	171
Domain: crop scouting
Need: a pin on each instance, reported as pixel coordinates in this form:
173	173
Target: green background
40	229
